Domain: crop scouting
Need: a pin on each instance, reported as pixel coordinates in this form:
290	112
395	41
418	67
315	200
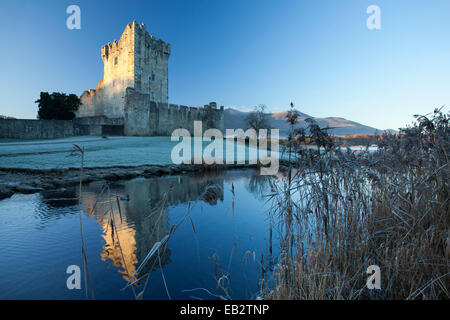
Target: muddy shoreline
27	181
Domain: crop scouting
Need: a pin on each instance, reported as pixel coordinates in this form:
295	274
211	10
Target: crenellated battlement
150	41
140	33
146	117
125	41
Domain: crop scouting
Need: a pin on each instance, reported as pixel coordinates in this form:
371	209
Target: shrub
57	106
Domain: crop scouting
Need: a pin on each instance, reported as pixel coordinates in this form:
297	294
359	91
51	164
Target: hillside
234	119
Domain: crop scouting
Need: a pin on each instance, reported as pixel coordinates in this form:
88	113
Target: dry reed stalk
343	211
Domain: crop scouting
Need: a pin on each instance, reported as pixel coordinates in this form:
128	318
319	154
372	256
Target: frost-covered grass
110	152
113	151
343	211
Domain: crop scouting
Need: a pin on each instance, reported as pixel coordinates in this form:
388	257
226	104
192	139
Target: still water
226	235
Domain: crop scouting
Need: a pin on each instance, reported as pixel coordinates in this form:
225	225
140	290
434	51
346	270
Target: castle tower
137	61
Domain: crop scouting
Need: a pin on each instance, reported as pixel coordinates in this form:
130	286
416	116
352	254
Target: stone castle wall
151	65
98	126
36	129
55	129
146	117
143	117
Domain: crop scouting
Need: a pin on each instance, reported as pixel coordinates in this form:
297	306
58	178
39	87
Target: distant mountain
234	119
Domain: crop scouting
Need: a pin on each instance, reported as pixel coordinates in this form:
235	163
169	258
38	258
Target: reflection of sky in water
39	238
114	151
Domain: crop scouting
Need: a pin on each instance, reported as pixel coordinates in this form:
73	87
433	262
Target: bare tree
257	119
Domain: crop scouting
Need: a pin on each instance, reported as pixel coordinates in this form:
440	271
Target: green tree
57	106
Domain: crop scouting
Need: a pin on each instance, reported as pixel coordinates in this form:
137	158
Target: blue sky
317	53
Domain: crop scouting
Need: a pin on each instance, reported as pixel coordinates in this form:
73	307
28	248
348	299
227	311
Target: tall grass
341	211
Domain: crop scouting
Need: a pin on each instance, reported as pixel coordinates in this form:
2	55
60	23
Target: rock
12	184
27	189
126	174
151	171
5	192
156	170
164	170
212	194
187	167
175	169
137	173
57	183
108	176
36	182
47	186
86	179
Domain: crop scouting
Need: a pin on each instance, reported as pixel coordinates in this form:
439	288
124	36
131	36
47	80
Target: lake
217	250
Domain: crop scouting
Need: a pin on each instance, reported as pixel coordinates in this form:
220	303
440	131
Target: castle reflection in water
143	218
226	236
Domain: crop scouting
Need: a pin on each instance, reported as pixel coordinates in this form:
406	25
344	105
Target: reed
77	150
341	211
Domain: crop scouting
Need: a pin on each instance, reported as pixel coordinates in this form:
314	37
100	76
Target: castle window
151	78
116	60
138	82
153	96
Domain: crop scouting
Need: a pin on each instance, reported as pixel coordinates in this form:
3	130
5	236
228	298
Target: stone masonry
135	88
